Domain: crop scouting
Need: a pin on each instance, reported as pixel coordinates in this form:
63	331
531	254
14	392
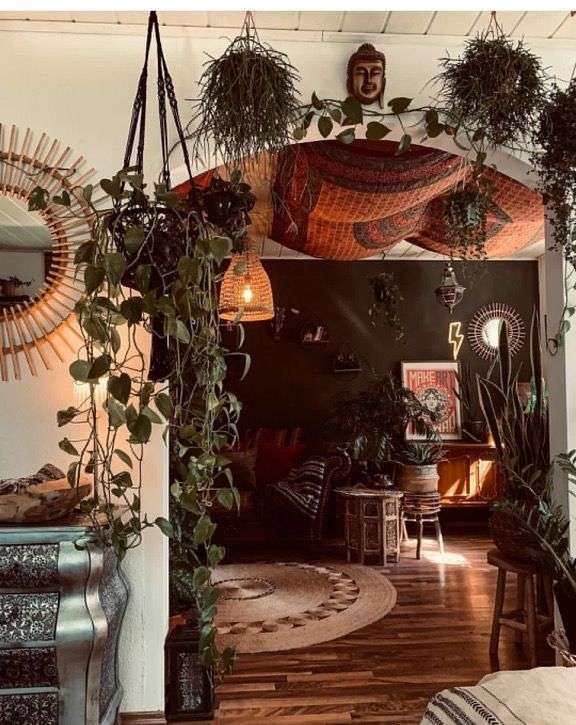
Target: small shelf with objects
314	333
346	361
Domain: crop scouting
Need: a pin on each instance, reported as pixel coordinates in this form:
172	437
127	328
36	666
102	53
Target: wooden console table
469	475
372	523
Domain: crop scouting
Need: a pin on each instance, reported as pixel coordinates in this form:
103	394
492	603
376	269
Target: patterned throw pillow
48	472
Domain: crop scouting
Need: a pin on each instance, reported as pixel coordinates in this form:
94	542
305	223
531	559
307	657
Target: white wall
80	88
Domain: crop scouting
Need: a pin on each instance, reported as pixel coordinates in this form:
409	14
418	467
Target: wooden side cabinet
469	474
62	601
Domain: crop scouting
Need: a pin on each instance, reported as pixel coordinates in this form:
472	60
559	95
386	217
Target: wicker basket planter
418	479
509	538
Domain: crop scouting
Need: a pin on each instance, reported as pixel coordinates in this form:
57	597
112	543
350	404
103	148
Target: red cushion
273	462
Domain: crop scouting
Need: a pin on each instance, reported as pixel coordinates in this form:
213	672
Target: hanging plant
465	218
556	164
248	98
495	90
386	306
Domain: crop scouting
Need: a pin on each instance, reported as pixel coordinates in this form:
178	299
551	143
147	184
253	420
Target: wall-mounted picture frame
434	383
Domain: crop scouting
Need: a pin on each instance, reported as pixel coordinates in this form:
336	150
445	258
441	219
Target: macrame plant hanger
167	240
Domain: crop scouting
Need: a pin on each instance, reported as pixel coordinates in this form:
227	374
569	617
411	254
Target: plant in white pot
418	466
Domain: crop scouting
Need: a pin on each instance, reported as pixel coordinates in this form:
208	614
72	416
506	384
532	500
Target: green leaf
124	457
201	576
115	266
65	416
67	447
317	103
225	497
152	415
336	114
220	247
63	199
112	187
115	340
142	277
188	270
347	136
215	554
133	239
72	473
165	526
93	278
164	404
100	367
404	144
85	252
189	501
325	126
178	329
202	531
352	109
431	117
80	370
400	104
132	309
299	133
434	131
87	193
38	199
141	429
119	387
375	131
116	413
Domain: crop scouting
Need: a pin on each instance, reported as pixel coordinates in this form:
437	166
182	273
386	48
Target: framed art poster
434	383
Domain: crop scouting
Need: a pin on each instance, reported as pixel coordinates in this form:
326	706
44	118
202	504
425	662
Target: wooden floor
436	637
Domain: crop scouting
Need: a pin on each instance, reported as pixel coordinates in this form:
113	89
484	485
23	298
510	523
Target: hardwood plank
437	636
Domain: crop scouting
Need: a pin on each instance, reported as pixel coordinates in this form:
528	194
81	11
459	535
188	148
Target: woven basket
509	538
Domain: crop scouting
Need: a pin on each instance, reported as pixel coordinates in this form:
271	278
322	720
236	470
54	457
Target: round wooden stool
421	508
526	619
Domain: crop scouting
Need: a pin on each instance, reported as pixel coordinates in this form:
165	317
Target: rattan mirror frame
37	332
495	311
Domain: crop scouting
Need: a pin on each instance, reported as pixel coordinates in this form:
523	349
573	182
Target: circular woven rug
267	607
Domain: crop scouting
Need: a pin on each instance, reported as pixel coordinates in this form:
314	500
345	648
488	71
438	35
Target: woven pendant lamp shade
250	292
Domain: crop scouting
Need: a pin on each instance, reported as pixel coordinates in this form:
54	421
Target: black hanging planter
153	236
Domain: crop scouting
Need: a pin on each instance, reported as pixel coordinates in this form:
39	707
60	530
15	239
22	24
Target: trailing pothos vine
107	439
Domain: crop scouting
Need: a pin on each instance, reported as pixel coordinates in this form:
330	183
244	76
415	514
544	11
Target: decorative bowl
42	501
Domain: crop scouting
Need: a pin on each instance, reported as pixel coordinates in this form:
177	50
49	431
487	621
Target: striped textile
541	696
303	486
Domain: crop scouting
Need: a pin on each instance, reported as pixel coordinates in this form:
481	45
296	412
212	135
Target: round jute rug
266	607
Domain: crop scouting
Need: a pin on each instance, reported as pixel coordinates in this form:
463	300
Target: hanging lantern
189	689
450	292
246	288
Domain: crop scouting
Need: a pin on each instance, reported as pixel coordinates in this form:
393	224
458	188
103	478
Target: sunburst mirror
484	329
38	288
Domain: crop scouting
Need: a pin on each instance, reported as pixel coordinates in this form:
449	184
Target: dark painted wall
290	384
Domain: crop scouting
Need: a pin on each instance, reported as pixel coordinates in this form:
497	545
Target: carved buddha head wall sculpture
366	78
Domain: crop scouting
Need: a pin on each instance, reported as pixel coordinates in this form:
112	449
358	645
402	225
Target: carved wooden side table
372	523
61	609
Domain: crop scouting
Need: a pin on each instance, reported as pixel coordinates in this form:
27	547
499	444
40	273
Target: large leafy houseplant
373	422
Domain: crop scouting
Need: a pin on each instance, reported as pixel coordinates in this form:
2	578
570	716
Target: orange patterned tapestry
336	201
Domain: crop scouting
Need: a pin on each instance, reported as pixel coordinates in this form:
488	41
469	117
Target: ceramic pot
418	479
475	431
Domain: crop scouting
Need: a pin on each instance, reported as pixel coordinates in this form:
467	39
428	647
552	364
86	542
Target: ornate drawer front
25	617
29	566
35	667
36	708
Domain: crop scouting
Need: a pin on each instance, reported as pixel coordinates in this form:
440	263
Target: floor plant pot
509	537
418	479
475	431
567	607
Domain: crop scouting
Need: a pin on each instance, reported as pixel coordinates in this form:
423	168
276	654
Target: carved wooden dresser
62	601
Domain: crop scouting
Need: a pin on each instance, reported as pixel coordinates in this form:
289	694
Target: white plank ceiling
557	24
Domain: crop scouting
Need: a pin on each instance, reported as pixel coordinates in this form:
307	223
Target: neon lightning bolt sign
455	337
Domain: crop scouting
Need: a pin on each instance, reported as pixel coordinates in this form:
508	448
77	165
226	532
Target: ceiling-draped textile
338	201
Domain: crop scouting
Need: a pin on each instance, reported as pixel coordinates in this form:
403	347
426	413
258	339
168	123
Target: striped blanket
303	486
542	696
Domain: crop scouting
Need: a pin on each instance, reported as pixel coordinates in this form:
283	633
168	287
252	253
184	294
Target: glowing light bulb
247	293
